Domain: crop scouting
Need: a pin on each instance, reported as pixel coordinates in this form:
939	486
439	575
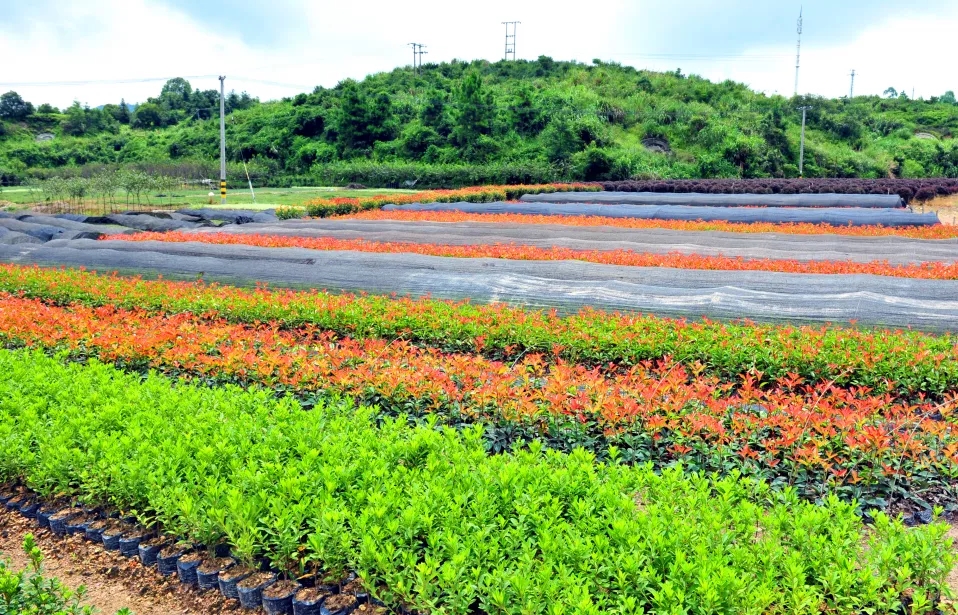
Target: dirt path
111	580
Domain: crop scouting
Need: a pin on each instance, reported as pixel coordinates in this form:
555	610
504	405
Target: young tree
13	107
122	114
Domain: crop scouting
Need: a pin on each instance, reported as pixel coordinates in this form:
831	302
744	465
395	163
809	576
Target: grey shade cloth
895	250
834	216
149	223
692	199
565	285
234	216
12	238
43	232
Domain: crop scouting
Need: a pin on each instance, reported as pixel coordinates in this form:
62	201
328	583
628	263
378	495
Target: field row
908	189
430	521
817	438
322	207
910	365
940	231
676	260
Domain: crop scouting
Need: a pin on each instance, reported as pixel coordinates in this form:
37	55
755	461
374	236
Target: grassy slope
543	114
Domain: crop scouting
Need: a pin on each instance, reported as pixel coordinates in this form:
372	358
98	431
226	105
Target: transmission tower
798	50
511	39
851	90
417	54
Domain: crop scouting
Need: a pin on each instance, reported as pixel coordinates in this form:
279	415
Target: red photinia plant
926	270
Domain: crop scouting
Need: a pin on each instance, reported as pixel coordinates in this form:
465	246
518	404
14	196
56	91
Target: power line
100	81
851	90
510	39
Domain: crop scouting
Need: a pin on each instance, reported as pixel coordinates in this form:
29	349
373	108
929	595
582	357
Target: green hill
465	123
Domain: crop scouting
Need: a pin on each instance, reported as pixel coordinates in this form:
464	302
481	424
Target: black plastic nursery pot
166	559
356	588
150	549
58	521
208	572
228	579
340	604
278	597
30	508
79	524
14	501
186	568
130	543
94	531
309	601
112	536
250	589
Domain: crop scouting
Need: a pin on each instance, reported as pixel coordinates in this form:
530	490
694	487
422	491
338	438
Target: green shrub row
429	520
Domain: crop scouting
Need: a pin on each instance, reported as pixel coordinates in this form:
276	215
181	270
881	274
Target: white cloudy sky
58	51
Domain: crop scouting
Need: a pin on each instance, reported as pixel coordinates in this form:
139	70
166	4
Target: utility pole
798	49
801	154
222	141
510	39
417	54
851	91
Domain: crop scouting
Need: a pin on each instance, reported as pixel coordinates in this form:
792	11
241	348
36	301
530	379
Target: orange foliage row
851	433
927	270
939	231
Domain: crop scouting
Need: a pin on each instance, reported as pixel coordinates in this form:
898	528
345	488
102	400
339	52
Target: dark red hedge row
908	189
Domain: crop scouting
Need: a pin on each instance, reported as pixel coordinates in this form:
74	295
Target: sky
98	51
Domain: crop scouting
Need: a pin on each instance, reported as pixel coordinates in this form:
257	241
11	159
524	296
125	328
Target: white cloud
115	39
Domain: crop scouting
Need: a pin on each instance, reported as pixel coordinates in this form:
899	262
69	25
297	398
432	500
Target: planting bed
429	520
907	189
837	216
549	233
924	269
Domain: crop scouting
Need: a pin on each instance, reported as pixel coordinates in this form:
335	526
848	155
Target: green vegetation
28	592
429	520
467	123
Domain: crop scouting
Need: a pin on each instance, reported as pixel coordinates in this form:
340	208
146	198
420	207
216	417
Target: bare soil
112	581
945	206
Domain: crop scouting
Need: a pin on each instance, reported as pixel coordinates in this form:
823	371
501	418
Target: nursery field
482	411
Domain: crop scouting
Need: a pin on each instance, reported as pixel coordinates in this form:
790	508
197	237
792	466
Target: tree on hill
13	107
123	113
948	98
148	115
